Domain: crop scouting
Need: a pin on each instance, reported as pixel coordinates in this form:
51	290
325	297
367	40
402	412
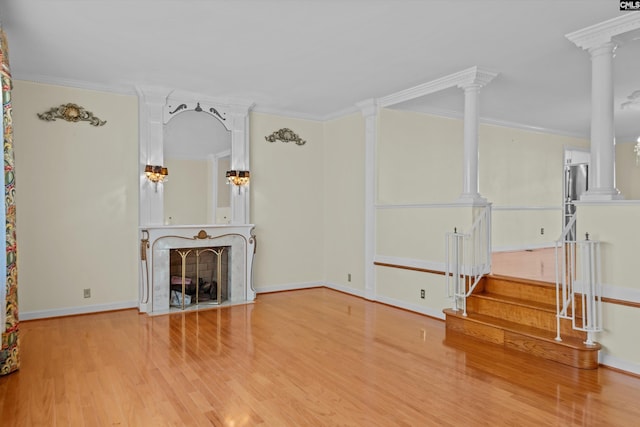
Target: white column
470	186
602	165
369	110
150	104
240	197
601	40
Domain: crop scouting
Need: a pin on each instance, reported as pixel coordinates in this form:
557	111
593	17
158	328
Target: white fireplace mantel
157	241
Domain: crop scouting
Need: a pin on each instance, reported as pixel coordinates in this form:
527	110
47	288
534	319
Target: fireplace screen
199	276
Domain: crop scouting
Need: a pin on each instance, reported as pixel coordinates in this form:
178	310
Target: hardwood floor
313	357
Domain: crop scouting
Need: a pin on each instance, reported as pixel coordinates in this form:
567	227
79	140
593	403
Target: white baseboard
287	287
614	362
431	312
347	290
70	311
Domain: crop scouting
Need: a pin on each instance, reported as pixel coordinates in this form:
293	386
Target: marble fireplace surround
157	241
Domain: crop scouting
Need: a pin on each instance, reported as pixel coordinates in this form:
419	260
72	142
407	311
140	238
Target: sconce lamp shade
238	178
156	174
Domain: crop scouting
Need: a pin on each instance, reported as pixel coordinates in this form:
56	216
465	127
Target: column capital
607	48
604	32
368	107
476	78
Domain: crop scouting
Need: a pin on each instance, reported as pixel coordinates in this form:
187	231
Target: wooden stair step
522	311
537	305
520	288
571	351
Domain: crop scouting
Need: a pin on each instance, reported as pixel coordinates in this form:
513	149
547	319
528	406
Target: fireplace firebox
199	276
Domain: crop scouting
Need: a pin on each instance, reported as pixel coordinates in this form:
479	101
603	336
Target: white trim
429	205
474	75
620	202
76	84
428	311
70	311
264	109
341	113
346	289
370	113
613	362
287	287
527	208
620	293
411	262
603	32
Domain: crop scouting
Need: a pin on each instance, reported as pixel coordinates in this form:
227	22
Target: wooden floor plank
310	357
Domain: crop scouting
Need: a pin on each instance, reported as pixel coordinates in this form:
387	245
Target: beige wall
627	171
521	173
344	202
287	204
615	225
416	158
77	200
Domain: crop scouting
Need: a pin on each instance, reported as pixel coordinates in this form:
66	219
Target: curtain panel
9	352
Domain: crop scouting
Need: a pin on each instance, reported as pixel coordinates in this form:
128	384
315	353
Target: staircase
520	314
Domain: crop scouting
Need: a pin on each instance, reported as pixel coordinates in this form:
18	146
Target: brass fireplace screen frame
183	252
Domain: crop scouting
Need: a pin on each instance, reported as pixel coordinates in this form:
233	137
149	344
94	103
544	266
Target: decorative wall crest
71	113
285	135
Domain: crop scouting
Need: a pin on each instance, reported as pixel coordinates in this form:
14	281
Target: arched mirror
197	153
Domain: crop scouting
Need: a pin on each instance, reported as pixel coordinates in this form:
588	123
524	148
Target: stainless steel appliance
576	182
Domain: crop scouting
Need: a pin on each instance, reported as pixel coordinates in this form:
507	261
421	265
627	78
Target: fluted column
602	165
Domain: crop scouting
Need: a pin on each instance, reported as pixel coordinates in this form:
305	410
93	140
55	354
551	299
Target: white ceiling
316	58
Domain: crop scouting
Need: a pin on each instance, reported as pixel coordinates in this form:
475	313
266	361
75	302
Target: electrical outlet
87	293
349	277
422	293
542	231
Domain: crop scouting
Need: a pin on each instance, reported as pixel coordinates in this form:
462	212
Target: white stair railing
578	284
468	258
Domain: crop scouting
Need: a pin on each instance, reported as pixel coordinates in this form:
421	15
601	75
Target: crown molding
471	76
341	113
604	32
76	84
368	107
264	109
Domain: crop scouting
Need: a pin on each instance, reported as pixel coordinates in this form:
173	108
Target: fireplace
198	276
179	265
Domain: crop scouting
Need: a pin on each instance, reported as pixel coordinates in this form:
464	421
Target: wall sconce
156	174
238	178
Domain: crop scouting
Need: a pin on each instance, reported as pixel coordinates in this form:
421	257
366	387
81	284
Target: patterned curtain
9	353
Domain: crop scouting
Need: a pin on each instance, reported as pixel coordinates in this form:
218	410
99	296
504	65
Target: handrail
578	283
468	259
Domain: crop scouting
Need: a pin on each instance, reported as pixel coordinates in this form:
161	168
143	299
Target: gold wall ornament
285	135
71	113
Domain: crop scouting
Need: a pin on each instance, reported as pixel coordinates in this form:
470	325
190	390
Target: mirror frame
156	107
